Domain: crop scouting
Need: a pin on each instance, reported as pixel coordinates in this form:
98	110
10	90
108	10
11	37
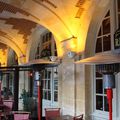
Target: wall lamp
71	54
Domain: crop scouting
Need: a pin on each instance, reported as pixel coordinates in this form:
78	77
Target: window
101	97
46	84
50	84
118	12
46	46
103	42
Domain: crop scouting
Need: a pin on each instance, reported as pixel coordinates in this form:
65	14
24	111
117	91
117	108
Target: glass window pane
45	82
106	43
45	74
49	86
119	20
99	86
55	84
55	53
99	102
55	96
49	74
99	34
106	104
98	74
55	46
105	91
49	95
45	93
50	35
99	45
106	26
119	5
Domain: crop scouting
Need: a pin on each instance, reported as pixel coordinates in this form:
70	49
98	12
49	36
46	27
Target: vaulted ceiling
18	19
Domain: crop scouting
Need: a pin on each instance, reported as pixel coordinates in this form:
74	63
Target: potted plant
29	103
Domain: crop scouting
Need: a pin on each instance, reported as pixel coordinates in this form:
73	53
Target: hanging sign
117	39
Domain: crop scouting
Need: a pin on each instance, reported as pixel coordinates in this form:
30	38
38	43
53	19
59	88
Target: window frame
49	43
52	88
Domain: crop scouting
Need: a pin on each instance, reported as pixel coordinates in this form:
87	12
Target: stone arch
93	29
15	47
33	41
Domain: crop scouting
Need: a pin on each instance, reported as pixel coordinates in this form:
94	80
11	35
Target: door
50	88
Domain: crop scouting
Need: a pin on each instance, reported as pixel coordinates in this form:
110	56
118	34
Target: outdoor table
22	115
20	112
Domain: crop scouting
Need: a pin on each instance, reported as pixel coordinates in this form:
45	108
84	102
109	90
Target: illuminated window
103	42
46	46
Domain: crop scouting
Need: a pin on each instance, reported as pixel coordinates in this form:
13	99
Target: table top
20	112
63	117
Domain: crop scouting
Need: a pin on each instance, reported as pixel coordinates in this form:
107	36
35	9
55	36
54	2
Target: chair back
79	117
52	113
21	116
8	105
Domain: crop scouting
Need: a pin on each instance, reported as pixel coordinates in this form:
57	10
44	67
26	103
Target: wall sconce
53	58
71	54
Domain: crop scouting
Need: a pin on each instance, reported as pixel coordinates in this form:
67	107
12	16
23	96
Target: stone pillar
68	87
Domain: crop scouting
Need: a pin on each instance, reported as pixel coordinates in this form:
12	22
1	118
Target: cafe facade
90	29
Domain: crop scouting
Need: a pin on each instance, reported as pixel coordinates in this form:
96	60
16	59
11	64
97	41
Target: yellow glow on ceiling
59	49
72	44
3	58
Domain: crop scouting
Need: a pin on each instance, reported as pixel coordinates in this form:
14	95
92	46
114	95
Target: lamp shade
108	81
37	76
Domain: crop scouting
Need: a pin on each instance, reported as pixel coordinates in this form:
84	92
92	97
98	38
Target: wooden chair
79	117
52	113
21	115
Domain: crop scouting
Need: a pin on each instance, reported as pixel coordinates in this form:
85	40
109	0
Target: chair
8	105
19	115
79	117
52	113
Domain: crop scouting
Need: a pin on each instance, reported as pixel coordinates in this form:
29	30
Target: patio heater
37	77
109	71
109	84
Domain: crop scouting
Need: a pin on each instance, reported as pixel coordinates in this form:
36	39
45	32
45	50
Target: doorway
50	88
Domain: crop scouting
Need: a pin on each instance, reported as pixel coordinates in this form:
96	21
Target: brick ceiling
24	27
